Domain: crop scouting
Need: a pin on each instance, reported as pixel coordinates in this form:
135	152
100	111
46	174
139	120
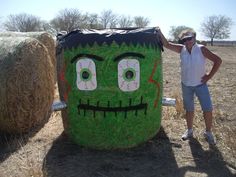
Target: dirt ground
49	152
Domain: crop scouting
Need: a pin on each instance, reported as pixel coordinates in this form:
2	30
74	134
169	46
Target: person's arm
216	63
169	45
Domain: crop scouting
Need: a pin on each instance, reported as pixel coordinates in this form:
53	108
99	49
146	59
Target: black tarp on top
142	36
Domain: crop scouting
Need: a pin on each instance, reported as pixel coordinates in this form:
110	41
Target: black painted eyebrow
128	54
96	57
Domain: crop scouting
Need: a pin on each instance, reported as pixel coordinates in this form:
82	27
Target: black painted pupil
85	75
129	74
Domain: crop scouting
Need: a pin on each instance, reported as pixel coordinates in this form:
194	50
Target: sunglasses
187	39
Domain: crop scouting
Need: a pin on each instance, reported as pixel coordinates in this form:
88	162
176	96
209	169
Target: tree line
70	19
213	27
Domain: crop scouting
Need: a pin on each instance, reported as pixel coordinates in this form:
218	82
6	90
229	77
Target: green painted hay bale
111	81
27	84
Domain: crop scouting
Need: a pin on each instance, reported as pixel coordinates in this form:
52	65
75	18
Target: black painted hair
142	36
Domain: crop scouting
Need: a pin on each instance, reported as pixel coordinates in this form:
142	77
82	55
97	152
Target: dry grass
47	153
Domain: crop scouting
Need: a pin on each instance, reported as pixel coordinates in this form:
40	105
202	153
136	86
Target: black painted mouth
108	108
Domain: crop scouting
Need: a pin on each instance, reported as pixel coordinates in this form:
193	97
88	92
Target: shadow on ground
66	159
11	142
209	162
153	159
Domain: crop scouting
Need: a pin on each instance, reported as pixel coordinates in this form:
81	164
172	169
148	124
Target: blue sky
164	13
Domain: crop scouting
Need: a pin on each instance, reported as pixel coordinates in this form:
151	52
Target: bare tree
23	23
217	27
141	22
176	30
68	20
93	21
108	19
125	21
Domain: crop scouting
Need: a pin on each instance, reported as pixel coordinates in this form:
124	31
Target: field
49	153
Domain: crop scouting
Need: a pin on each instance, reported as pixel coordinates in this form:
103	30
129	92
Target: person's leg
189	119
203	95
208	133
208	119
188	100
202	92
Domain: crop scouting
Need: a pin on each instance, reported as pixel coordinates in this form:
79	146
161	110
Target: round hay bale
27	84
44	37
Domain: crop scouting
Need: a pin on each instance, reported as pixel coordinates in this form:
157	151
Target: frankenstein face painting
111	81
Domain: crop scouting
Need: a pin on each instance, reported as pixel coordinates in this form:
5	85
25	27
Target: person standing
194	78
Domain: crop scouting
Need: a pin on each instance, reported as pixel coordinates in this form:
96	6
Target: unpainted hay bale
27	84
43	37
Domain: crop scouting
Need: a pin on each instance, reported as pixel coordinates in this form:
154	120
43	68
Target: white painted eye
128	75
86	74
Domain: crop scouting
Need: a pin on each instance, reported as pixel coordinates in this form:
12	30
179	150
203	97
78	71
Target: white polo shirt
192	65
